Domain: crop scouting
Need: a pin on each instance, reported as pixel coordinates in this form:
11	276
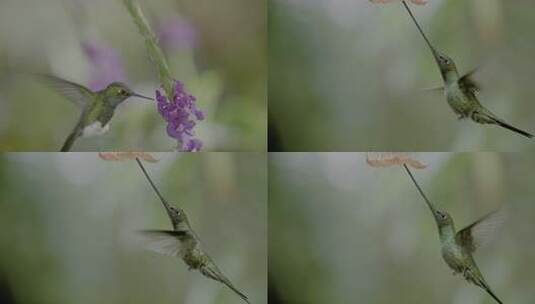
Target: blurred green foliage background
344	232
226	69
67	221
346	75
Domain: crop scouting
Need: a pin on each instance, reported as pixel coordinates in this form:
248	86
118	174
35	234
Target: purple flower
176	33
106	65
181	115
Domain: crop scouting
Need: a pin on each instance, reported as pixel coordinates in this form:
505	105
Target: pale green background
345	75
344	232
227	72
67	221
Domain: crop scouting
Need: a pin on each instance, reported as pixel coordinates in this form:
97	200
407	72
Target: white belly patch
95	129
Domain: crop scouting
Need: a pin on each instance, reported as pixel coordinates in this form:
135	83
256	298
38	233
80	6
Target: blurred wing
467	83
78	94
170	243
481	232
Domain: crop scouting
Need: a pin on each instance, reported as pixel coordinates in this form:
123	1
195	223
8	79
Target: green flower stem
153	48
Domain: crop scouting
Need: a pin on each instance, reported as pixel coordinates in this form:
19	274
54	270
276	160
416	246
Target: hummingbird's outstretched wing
468	84
211	270
167	242
481	232
77	94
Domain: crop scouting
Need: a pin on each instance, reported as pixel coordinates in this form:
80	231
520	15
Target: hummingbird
97	107
461	91
458	247
183	242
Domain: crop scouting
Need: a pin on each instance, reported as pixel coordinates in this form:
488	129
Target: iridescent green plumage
97	107
460	91
183	242
457	247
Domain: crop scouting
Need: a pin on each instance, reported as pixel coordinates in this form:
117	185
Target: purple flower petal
198	114
181	116
191	145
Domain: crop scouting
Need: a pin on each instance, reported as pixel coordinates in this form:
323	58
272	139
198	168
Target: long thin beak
141	96
428	202
435	53
162	199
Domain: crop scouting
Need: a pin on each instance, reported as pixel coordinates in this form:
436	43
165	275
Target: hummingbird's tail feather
493	295
216	275
487	288
514	129
486	117
239	293
69	142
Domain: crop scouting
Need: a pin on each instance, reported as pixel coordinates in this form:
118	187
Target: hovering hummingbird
460	91
183	242
458	247
97	107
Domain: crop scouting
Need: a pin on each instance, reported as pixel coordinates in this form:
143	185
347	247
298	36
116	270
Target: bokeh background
346	75
344	232
217	48
67	221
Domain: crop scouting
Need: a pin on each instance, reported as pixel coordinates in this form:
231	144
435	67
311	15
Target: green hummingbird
460	91
97	107
458	247
183	242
